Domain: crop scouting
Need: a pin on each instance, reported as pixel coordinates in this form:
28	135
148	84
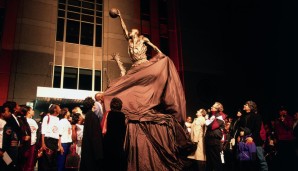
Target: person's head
54	109
250	106
189	119
99	97
134	32
217	107
77	118
116	104
201	112
230	119
64	113
27	111
13	106
5	111
283	111
88	103
77	109
227	125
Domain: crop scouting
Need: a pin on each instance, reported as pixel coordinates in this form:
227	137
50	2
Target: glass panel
62	1
98	14
88	18
74	3
92	1
75	9
86	11
98	36
88	5
99	1
70	78
61	6
98	20
99	7
97	81
87	34
61	13
72	30
57	76
85	80
72	15
60	29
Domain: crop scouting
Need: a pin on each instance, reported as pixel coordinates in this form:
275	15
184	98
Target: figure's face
134	32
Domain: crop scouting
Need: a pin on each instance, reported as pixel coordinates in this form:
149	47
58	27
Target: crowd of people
223	142
27	145
245	141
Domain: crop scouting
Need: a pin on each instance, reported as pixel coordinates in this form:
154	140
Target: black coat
114	141
92	144
251	123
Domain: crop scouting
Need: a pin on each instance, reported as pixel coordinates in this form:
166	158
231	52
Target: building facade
67	44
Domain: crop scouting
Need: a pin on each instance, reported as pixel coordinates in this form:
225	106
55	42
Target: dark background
239	50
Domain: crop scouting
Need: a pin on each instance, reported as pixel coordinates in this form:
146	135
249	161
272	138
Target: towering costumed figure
154	105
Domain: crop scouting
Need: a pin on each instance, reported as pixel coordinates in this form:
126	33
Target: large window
78	39
80	21
74	78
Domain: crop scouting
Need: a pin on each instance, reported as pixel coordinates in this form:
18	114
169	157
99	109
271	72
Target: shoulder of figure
144	38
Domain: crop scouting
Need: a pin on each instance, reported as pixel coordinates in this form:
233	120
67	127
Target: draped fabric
150	85
154	105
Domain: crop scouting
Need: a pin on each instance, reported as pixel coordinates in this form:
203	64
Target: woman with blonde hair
197	134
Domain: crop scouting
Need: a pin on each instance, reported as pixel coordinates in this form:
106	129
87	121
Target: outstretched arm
116	57
146	40
123	26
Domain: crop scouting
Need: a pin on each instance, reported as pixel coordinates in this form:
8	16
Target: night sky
239	50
